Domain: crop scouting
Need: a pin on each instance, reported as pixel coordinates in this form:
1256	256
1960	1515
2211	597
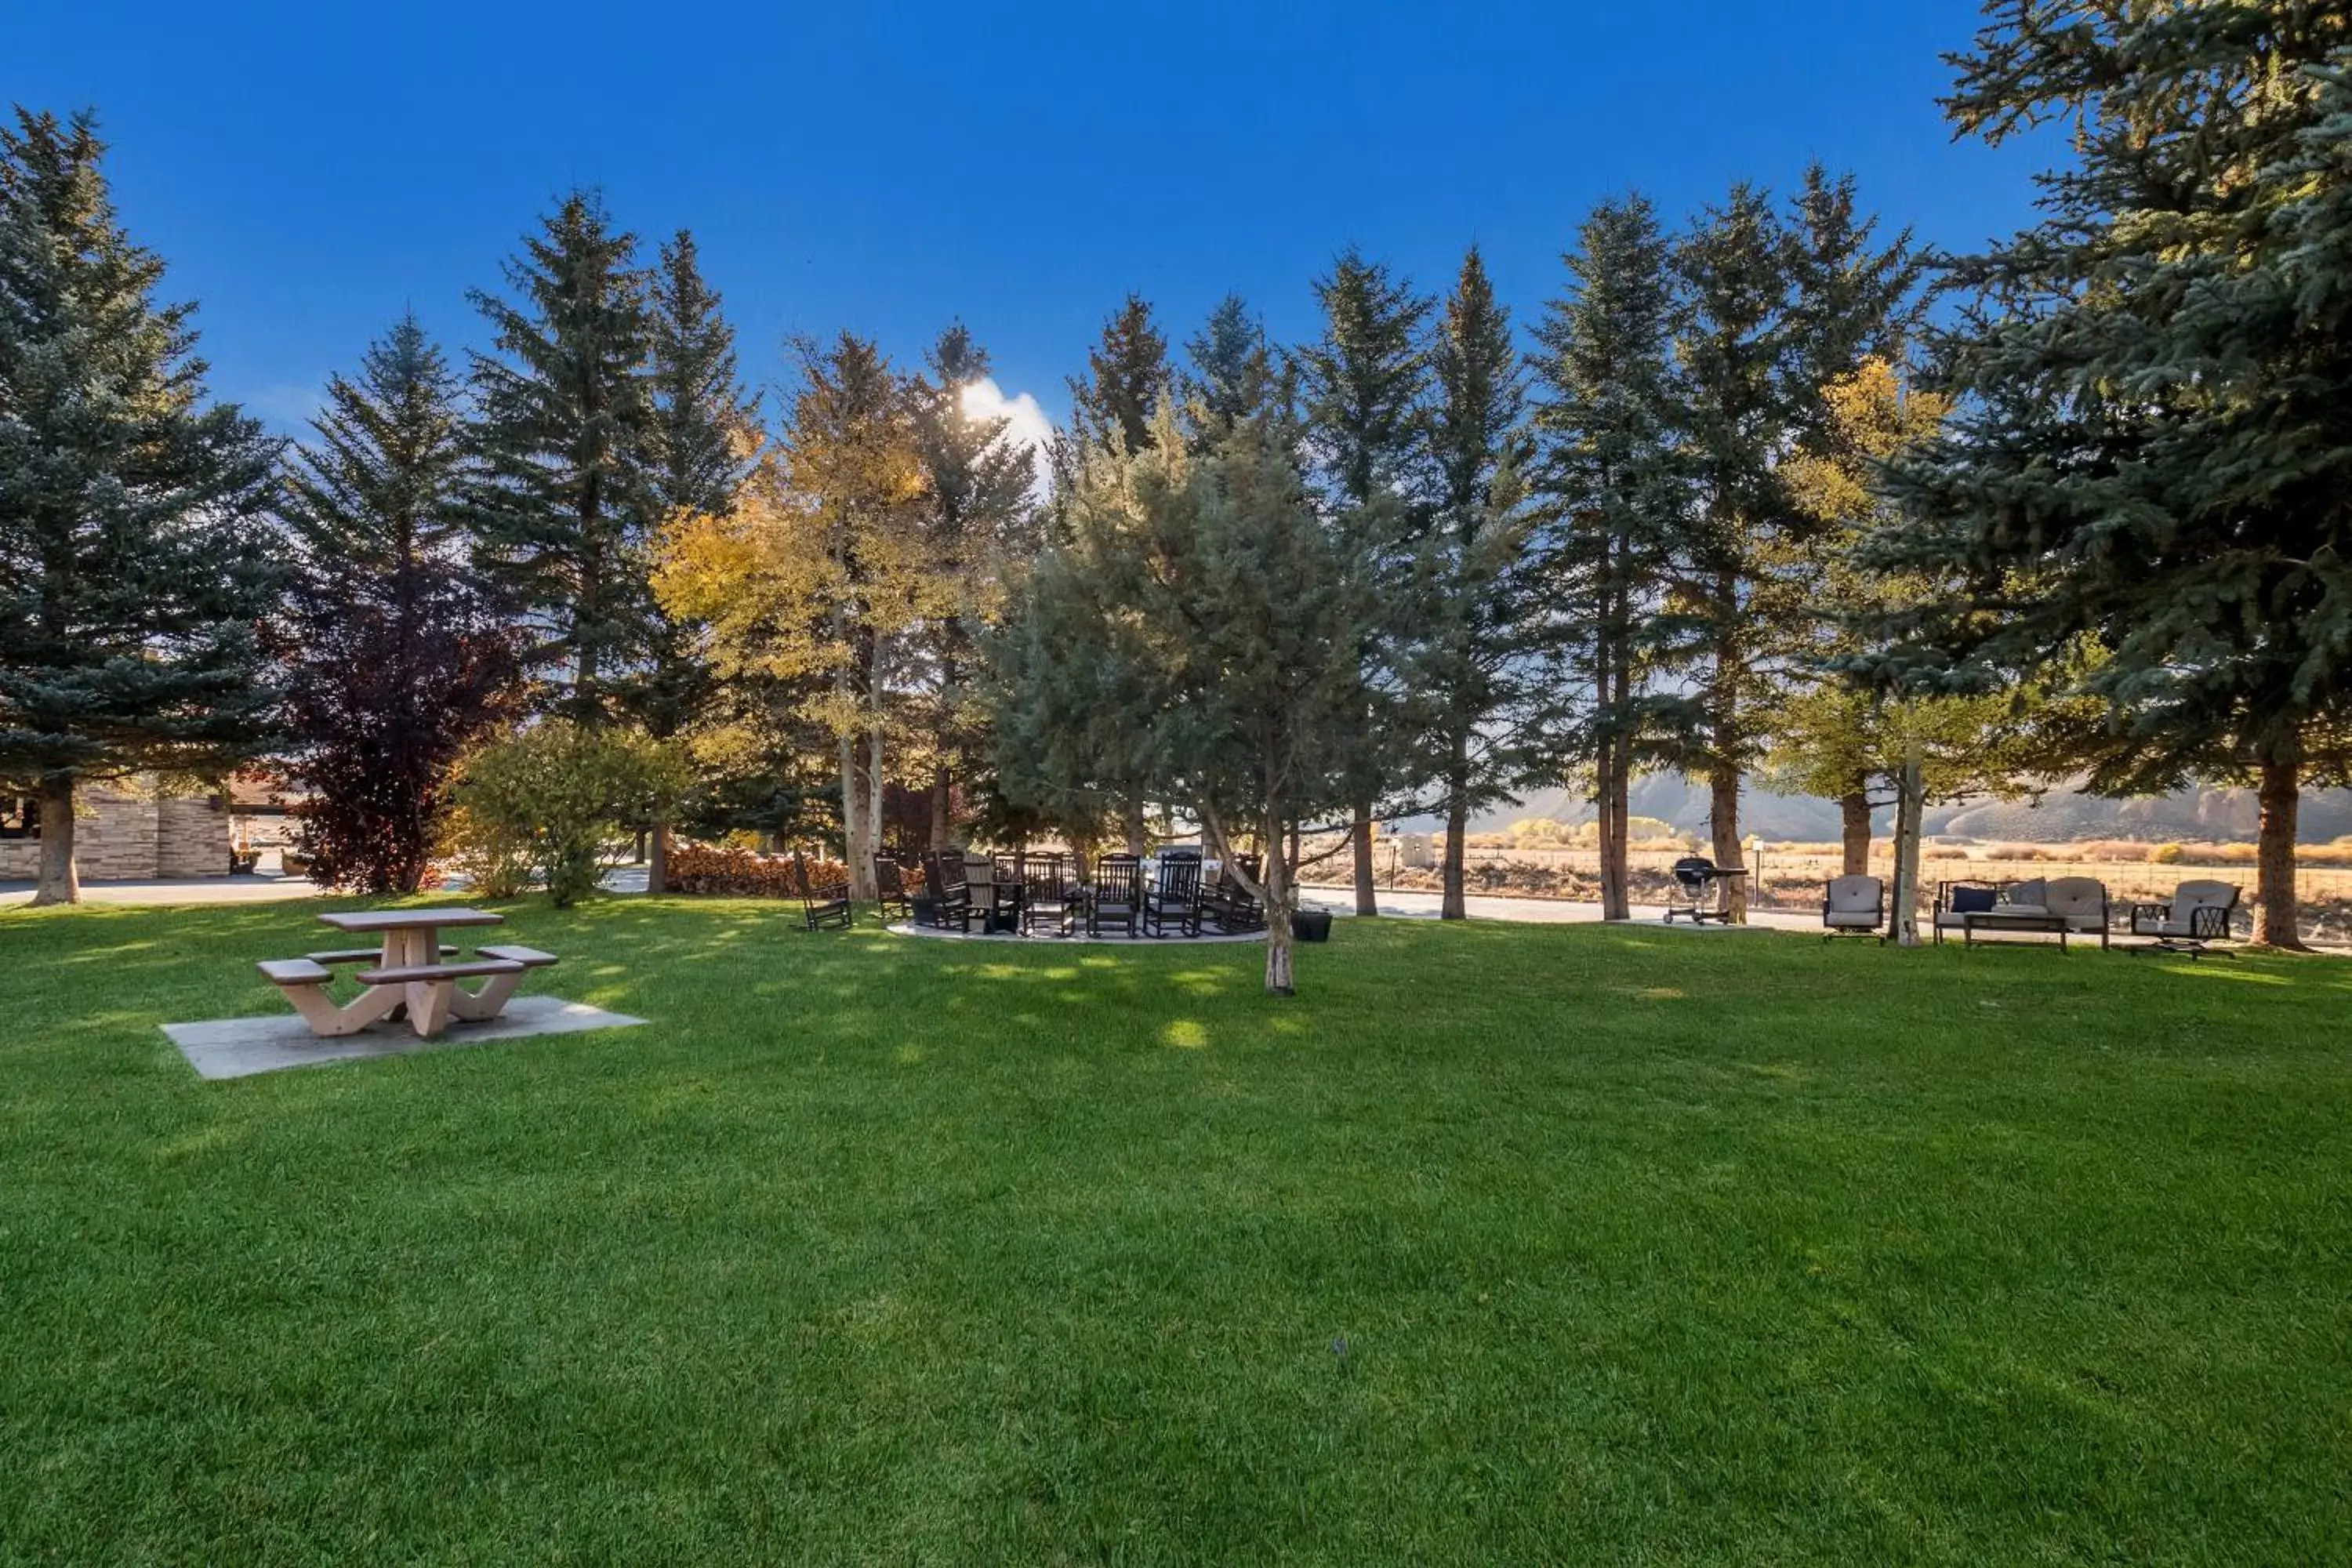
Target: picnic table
409	969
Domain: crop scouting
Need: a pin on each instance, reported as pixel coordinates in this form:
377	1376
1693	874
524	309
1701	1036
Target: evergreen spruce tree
1363	386
565	500
136	560
982	523
1733	269
1113	408
1616	509
1193	630
1235	376
1469	673
1854	306
1127	375
705	431
2147	471
402	656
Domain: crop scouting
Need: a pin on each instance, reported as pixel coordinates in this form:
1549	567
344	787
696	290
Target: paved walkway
1540	911
632	879
178	890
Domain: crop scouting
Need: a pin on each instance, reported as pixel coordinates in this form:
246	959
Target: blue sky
310	171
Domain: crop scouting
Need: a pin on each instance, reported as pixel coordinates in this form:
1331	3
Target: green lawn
1499	1244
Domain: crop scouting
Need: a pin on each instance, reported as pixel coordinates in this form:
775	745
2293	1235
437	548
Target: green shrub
544	805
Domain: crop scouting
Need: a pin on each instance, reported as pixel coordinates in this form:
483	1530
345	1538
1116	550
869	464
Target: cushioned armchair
1853	906
2199	913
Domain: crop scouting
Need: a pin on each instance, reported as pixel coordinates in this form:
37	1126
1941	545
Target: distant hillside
2219	815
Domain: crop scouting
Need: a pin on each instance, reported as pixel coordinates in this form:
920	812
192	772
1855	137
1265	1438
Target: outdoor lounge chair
823	904
1854	906
2199	914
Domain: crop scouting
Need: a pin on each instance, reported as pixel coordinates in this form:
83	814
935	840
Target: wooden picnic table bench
413	969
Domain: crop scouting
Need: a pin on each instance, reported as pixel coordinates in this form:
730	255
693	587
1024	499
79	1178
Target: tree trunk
1910	804
942	829
1452	905
2277	917
864	884
1616	785
852	800
1723	805
59	882
1280	980
1616	814
1131	823
1360	839
1854	812
658	860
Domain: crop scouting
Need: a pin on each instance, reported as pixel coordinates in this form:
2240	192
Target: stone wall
120	835
192	837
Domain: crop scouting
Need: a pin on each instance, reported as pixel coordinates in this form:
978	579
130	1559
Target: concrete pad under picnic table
239	1048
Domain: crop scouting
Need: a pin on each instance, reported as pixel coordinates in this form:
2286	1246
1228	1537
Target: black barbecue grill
1705	892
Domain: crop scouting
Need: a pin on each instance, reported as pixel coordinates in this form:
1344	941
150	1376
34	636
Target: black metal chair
1045	894
823	904
1174	894
890	893
950	894
1115	898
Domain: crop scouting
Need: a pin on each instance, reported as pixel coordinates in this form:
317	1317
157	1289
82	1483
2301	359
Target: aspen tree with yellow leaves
824	568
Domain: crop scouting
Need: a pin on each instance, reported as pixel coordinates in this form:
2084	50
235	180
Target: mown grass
1499	1244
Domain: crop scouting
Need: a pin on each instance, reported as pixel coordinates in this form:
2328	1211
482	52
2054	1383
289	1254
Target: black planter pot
1311	925
923	910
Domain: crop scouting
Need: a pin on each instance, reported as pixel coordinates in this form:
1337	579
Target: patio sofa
2081	901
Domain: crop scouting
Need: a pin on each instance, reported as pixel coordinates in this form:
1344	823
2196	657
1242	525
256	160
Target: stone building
124	832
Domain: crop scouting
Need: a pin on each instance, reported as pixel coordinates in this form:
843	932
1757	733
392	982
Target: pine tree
2147	469
1469	672
1616	507
136	561
1363	386
566	498
980	516
401	657
1127	375
704	423
705	432
1733	269
1235	376
1113	408
1195	630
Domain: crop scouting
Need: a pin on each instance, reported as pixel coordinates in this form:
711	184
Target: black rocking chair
950	894
890	889
825	904
1174	894
1115	899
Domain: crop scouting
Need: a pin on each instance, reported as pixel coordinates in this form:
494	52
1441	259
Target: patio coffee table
1976	920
